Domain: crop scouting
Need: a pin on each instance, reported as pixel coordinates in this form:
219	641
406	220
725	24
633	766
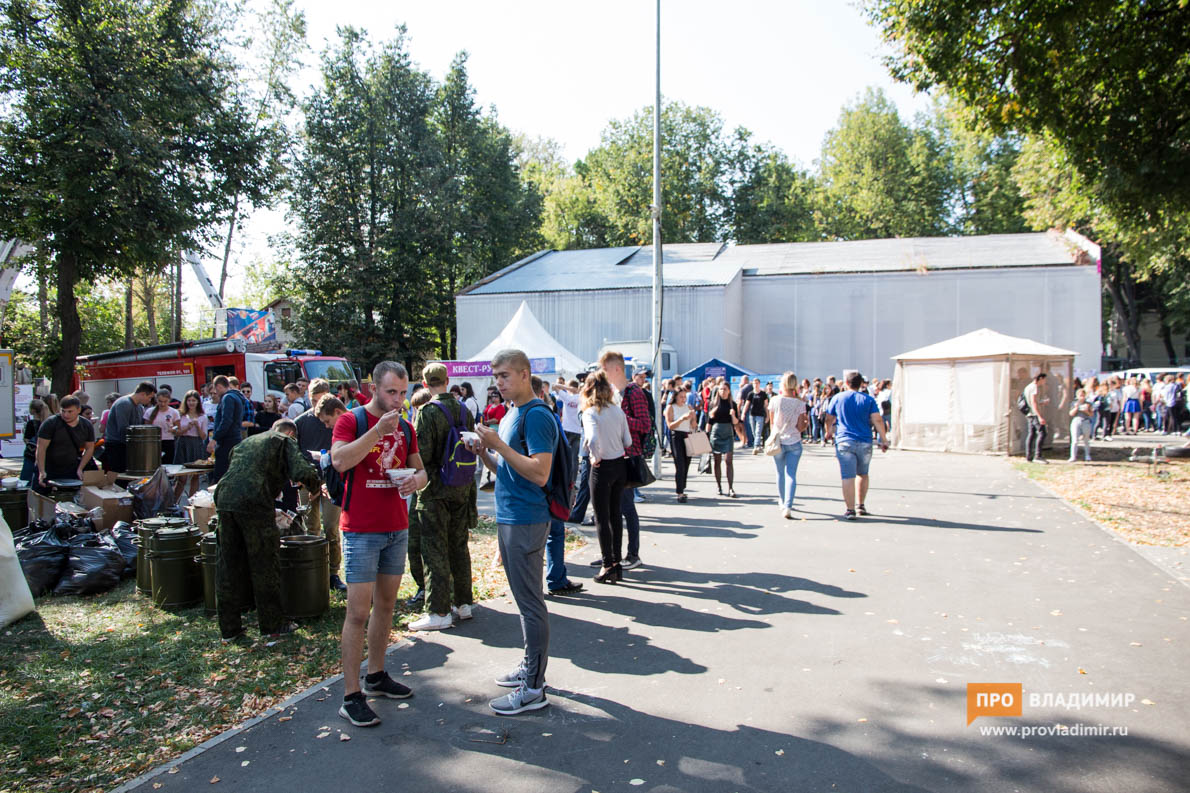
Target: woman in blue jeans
788	419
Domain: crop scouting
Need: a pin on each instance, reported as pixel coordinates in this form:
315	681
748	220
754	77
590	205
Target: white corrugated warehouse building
814	307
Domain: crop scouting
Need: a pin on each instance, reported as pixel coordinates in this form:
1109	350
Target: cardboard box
100	490
42	508
201	516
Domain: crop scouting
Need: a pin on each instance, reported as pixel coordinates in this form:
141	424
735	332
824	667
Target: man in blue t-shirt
521	454
855	414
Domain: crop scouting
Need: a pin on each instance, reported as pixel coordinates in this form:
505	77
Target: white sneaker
432	622
787	514
462	612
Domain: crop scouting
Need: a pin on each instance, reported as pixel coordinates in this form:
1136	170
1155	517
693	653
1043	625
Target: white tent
523	332
959	395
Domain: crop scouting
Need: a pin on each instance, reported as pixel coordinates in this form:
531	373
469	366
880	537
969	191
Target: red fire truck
191	364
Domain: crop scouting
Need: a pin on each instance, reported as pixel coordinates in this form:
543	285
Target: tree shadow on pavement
925	523
587	644
753	593
963	758
698	527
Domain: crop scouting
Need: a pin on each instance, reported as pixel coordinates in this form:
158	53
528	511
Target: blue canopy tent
717	367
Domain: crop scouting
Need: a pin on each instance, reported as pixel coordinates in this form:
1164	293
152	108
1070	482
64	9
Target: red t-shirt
493	413
376	505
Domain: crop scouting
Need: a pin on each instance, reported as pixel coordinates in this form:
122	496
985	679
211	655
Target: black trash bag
152	497
35	527
68	526
43	559
94	564
125	539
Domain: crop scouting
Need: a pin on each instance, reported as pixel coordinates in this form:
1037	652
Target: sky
781	68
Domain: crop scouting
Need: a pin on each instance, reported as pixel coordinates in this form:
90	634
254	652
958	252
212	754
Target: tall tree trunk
1167	339
68	314
43	300
231	230
128	340
177	290
1121	285
148	296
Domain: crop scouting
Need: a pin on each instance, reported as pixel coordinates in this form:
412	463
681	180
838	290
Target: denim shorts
366	554
854	458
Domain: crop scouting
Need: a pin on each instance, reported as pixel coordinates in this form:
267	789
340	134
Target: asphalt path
754	653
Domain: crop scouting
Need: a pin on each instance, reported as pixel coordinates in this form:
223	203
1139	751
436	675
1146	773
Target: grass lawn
1141	505
97	690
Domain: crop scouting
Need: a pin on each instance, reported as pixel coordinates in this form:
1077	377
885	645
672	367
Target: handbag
772	447
697	443
639	473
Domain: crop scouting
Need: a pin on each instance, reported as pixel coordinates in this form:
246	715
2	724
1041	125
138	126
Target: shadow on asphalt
925	523
1055	764
699	527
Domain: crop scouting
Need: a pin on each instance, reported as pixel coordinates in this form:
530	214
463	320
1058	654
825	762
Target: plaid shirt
636	410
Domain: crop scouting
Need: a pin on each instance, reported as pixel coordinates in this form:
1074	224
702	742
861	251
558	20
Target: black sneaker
849	515
595	563
631	561
386	687
487	487
284	630
337	584
419	597
240	639
571	588
355	709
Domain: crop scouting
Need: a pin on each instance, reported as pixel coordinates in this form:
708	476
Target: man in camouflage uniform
445	514
249	540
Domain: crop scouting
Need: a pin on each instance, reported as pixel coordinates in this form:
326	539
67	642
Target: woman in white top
606	438
788	418
163	416
681	422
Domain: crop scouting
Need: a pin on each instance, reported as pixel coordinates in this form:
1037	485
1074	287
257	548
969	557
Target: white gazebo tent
524	332
960	395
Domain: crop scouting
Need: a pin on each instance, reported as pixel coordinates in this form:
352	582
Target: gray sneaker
518	701
513	679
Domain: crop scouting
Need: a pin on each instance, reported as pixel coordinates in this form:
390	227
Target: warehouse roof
712	264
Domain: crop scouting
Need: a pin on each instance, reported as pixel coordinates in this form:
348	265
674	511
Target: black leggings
607	485
681	460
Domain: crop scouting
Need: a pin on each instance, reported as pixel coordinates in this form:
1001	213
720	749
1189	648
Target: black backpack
561	482
338	485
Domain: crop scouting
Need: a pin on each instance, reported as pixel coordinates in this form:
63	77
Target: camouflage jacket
432	430
260	466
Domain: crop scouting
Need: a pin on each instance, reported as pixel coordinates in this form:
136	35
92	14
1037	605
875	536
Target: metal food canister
145	529
144	449
207	559
305	576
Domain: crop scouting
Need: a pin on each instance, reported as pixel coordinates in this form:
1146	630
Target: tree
771	200
1108	79
120	140
271	52
619	173
1142	262
881	178
570	217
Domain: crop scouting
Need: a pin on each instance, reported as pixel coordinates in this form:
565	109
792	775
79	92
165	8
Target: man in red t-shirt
374	523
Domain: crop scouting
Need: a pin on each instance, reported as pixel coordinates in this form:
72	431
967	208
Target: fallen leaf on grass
70	714
107	713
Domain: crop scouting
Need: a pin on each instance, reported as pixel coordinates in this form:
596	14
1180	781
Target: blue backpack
459	462
561	481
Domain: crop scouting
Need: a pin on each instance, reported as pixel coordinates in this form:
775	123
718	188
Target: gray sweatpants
522	547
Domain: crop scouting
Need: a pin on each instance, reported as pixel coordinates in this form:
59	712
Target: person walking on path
787	415
1080	425
1035	399
855	415
521	454
680	420
125	412
226	432
608	440
723	417
446	509
367	443
249	540
635	403
757	408
315	430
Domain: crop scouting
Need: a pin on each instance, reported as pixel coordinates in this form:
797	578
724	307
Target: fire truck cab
192	364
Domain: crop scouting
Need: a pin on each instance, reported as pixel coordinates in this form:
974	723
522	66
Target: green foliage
771	200
405	193
882	178
120	138
1109	79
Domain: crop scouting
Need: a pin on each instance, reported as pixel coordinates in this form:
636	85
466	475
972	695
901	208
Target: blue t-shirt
852	410
519	501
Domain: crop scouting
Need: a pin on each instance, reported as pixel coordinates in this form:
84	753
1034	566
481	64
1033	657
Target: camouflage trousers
248	565
444	532
323	519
